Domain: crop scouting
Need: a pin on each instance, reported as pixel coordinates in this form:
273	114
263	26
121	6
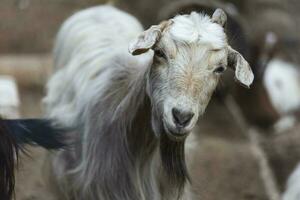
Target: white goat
282	81
132	114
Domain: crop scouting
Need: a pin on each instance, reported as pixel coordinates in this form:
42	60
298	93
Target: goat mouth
177	135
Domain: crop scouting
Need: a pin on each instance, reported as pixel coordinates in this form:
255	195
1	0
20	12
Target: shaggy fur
128	146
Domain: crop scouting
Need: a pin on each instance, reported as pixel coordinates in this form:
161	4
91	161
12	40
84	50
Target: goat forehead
197	28
198	57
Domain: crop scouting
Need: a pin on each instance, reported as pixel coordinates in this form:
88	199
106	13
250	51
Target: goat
280	76
13	135
132	111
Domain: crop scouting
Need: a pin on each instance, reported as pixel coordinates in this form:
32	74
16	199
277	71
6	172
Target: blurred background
244	155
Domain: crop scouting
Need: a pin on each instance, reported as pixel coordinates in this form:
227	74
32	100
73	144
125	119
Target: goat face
190	54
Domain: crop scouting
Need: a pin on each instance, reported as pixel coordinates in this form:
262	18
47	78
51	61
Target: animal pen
150	99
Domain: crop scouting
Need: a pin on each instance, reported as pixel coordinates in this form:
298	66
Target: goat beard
172	156
173	162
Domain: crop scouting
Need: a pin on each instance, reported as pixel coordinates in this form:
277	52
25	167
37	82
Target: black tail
39	132
13	135
8	154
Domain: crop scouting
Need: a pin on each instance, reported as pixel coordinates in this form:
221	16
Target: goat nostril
182	118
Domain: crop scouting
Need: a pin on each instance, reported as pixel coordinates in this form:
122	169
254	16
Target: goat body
129	145
111	166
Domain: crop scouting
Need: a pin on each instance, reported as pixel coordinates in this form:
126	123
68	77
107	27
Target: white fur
198	27
282	82
91	46
285	123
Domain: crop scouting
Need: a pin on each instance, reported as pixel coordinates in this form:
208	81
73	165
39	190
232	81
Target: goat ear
243	72
219	17
145	40
148	38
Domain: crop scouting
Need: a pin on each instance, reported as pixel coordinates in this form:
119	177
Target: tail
8	153
39	132
15	133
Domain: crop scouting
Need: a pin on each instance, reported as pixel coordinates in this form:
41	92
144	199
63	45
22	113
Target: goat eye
159	53
219	70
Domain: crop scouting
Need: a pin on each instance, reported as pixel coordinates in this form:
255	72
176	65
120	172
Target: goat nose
182	118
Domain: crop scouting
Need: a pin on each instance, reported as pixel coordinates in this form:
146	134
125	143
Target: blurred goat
274	48
281	79
132	114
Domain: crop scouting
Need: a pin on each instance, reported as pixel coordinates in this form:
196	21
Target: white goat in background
282	82
132	114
